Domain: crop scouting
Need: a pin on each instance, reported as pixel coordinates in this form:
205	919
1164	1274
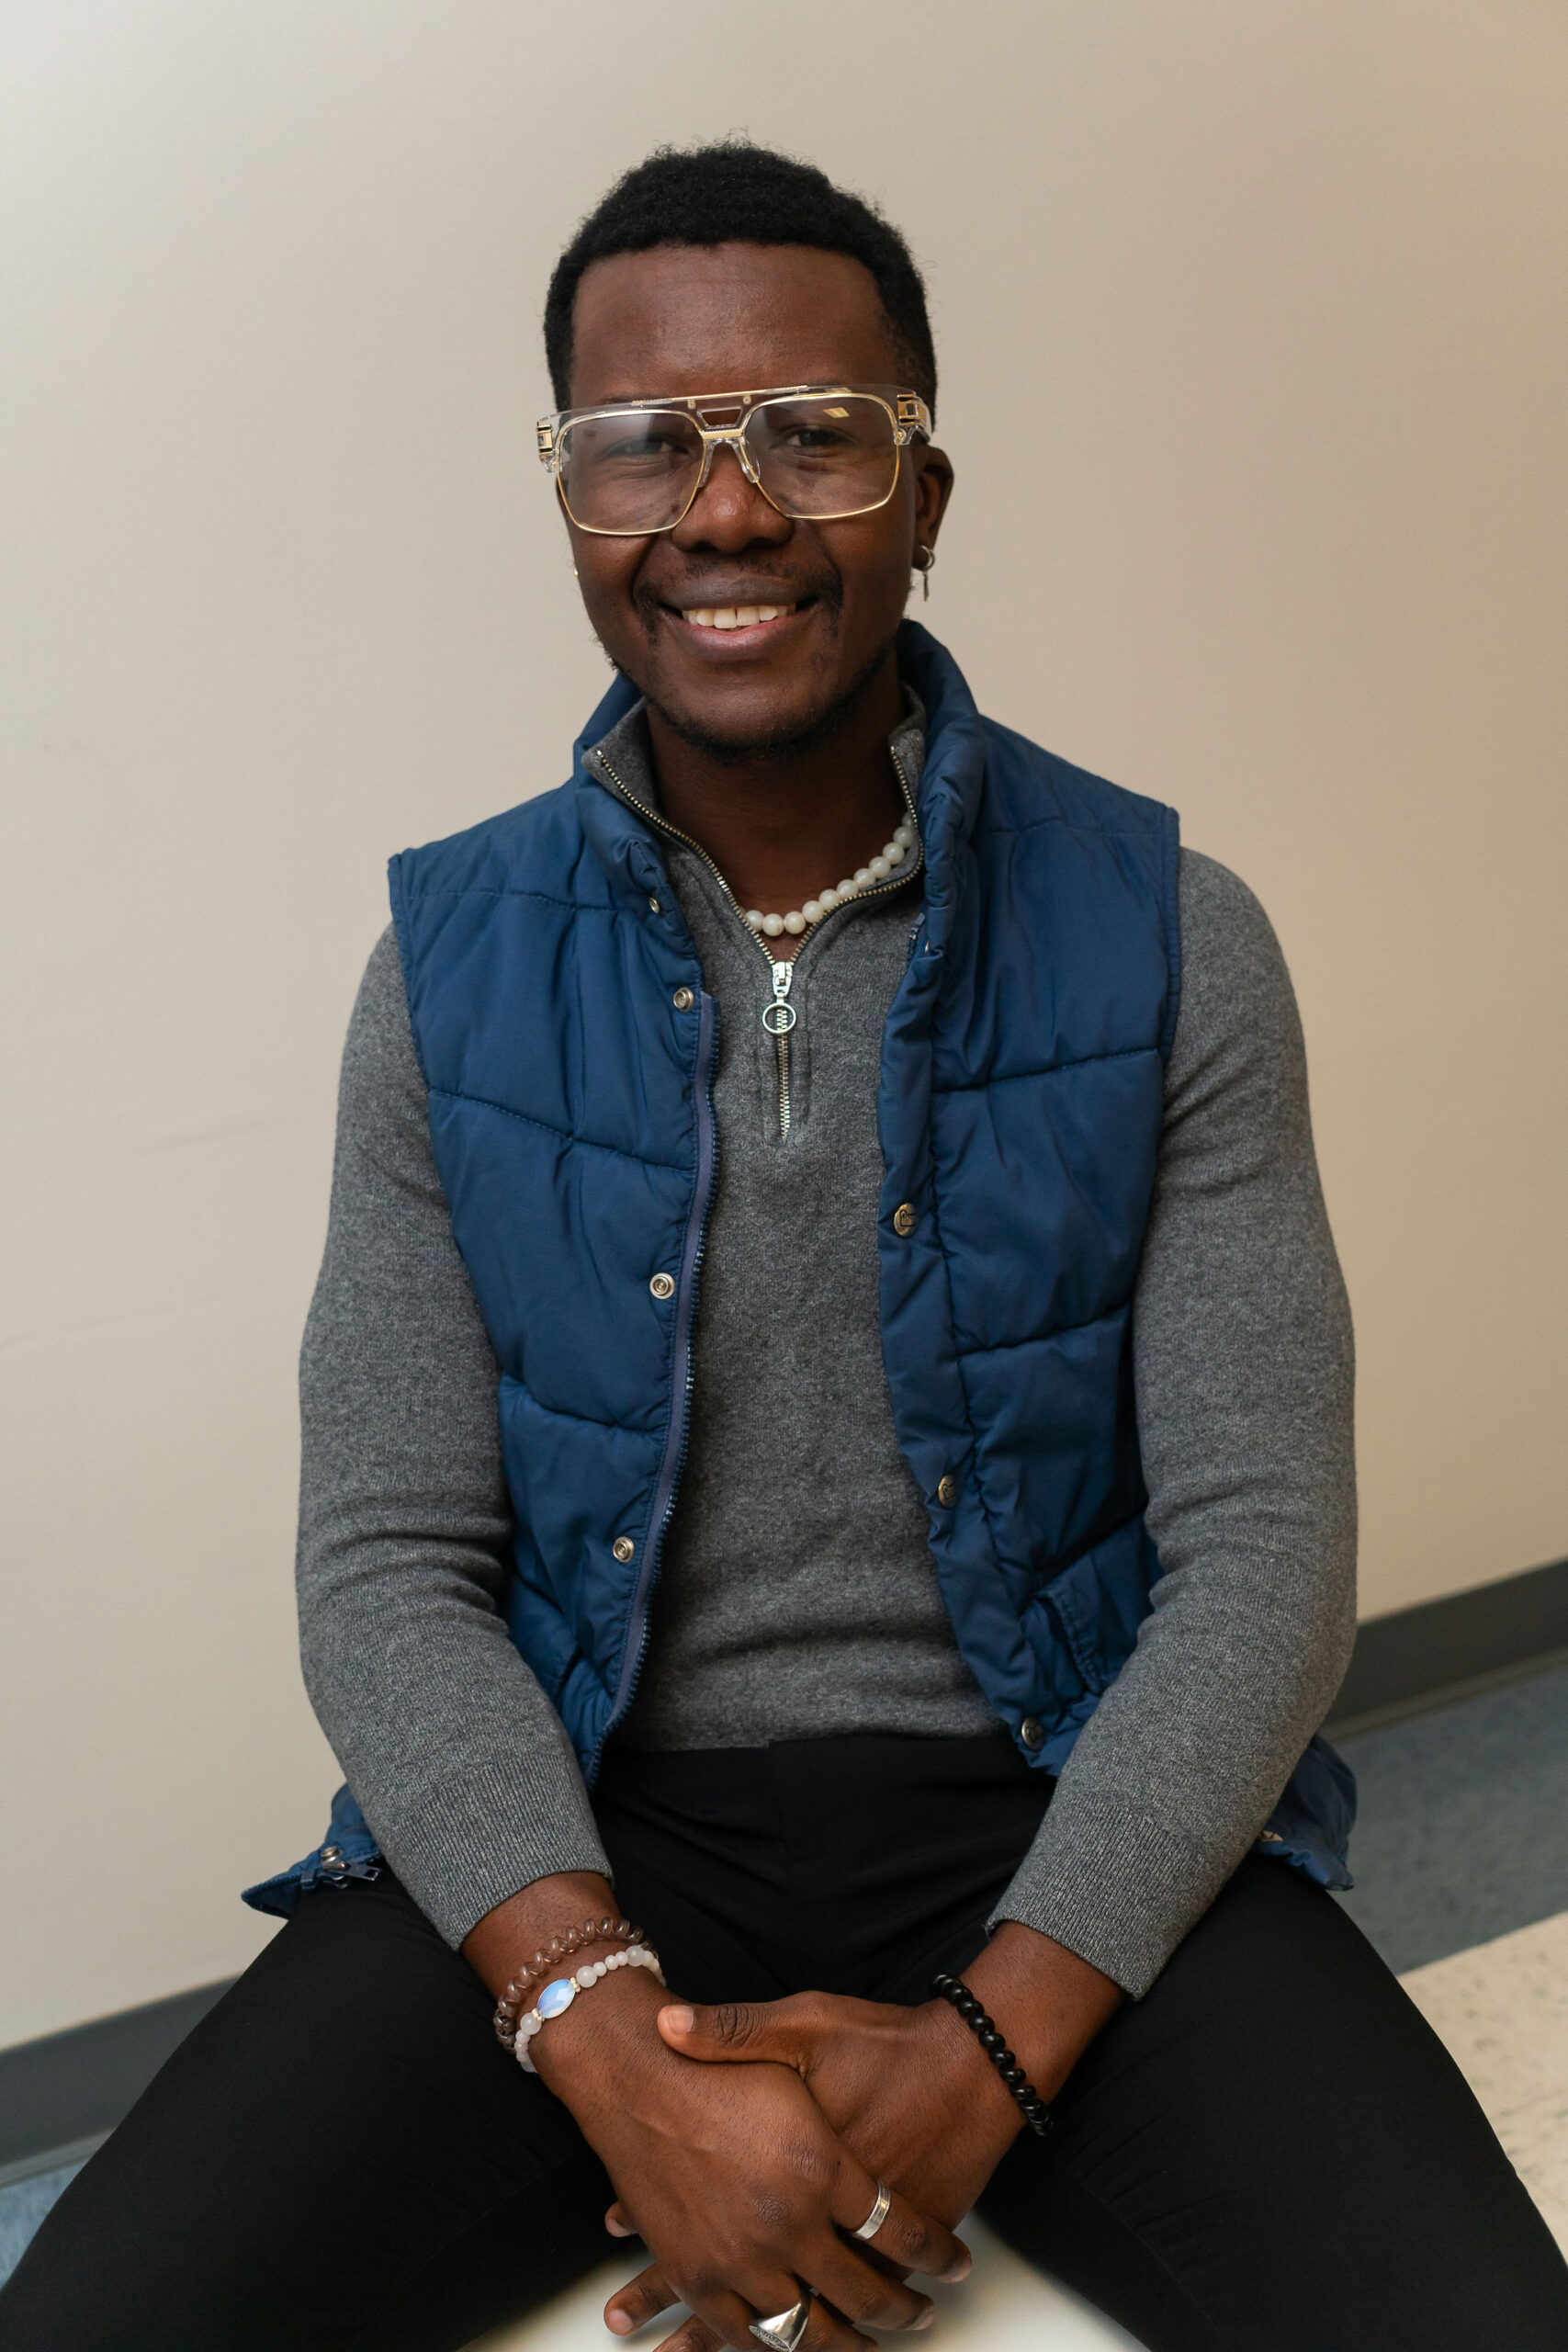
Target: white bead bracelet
563	1990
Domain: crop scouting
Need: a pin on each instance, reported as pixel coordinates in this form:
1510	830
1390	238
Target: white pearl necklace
892	853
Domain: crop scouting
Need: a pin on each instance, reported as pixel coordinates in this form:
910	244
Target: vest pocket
1098	1601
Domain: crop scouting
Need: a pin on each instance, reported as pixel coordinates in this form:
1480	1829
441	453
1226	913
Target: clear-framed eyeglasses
816	452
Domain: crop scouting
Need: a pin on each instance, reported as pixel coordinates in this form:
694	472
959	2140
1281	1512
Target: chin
763	728
763	718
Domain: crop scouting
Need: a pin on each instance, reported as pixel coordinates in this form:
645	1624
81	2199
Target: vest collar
947	799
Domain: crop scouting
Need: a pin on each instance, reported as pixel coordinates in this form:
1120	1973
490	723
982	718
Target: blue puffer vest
1020	1107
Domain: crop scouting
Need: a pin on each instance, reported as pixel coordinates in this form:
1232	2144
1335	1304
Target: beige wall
1253	372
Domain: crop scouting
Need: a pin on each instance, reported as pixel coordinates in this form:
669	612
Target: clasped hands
746	2172
797	2110
872	2094
746	2141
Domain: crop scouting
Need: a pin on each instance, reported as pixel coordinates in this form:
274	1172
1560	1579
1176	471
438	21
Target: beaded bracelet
515	2000
560	1995
1036	2114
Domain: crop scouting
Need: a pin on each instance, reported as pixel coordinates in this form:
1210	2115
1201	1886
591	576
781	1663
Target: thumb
747	2030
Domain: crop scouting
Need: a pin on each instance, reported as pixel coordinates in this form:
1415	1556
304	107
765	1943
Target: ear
933	488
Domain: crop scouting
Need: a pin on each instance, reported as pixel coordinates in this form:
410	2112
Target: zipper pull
779	1018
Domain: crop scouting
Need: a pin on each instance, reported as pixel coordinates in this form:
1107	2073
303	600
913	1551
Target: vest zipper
693	1250
674	1461
779	1031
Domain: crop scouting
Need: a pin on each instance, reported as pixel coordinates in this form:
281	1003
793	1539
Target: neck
782	827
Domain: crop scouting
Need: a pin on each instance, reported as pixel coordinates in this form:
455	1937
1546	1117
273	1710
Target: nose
729	512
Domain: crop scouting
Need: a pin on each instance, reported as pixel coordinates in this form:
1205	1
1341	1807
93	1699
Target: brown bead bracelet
516	1998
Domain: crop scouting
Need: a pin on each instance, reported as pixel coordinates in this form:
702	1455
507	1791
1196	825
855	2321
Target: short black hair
732	191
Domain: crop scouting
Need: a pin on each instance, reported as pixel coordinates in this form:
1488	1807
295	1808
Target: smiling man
827	1424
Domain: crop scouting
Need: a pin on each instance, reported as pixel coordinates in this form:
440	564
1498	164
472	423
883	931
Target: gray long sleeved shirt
797	1596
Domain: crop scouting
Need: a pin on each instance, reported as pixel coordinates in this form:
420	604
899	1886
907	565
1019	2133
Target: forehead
726	318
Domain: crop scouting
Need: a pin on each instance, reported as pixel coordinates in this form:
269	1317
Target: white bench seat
1003	2306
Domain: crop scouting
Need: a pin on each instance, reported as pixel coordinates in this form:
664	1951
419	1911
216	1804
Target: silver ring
877	2214
784	2331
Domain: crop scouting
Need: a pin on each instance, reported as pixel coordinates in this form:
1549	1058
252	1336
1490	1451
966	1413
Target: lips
737	619
725	617
734	617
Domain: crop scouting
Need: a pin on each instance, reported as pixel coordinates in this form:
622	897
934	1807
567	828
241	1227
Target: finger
828	2330
696	2336
748	2030
728	2316
866	2295
907	2238
618	2222
640	2299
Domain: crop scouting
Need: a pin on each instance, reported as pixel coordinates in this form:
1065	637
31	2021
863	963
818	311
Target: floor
1462	1834
1461	1864
1502	2007
23	2206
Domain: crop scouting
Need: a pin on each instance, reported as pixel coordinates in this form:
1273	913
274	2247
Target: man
874	1174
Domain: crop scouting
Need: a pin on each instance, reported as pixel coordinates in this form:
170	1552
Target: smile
733	615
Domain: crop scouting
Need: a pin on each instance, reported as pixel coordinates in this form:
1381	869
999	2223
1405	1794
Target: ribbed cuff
475	1841
1115	1884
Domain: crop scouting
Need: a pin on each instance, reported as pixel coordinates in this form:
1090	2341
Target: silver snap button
1032	1731
623	1548
684	1000
330	1853
947	1489
663	1286
906	1216
653	906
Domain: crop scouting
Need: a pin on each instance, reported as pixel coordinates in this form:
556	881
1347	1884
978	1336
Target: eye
638	443
657	445
811	440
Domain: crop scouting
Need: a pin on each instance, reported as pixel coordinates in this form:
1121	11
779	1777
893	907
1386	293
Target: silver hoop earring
924	558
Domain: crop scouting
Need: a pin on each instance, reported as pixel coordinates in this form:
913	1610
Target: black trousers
1273	2151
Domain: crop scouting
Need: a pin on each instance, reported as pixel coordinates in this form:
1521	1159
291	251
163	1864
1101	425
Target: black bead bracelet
1036	2114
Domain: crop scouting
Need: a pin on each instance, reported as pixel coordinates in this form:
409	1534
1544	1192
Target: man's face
685	319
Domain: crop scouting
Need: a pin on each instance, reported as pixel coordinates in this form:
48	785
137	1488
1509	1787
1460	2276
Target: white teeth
734	615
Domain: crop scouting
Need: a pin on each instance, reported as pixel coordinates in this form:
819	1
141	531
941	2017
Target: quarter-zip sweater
798	1596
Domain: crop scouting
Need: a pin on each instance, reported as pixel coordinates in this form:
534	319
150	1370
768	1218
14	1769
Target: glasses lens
824	453
632	471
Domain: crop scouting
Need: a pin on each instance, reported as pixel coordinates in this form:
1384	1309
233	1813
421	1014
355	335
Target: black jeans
1271	2151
